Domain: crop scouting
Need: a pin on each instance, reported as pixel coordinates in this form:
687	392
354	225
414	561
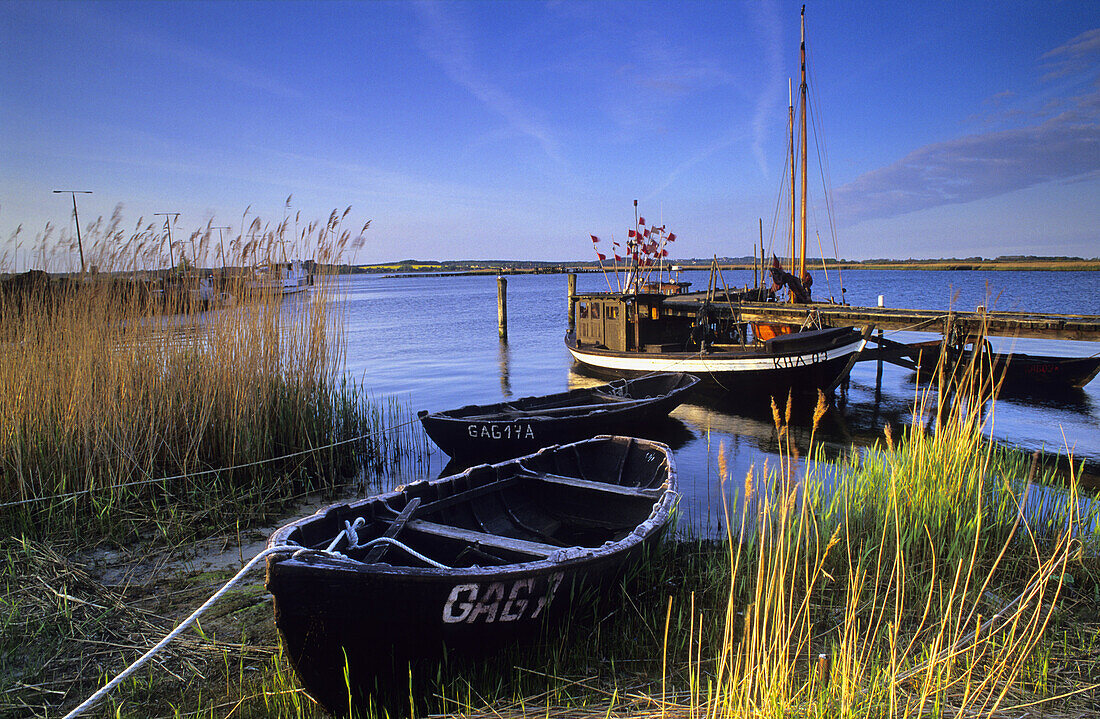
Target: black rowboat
509	429
463	564
1014	370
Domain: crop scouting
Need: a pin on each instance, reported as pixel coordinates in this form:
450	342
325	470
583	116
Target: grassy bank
906	582
923	577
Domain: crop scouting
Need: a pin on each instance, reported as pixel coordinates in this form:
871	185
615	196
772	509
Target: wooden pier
963	326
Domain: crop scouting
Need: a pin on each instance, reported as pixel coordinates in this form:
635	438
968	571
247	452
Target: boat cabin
624	323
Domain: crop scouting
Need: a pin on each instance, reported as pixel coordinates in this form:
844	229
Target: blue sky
514	130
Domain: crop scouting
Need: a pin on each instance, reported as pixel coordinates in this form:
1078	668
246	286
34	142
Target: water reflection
504	358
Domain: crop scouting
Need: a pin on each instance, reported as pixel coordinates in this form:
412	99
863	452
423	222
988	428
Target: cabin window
582	310
611	312
595	310
654	312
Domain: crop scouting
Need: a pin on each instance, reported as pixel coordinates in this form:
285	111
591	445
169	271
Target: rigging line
824	170
189	475
775	214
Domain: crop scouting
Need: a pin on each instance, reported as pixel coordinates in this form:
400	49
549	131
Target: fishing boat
1012	370
509	429
282	278
636	328
461	565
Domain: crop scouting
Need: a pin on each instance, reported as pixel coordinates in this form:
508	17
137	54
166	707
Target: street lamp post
79	242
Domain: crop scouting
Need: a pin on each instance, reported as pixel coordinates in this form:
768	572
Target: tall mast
802	109
794	201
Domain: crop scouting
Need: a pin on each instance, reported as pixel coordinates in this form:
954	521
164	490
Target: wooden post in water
572	304
878	375
502	306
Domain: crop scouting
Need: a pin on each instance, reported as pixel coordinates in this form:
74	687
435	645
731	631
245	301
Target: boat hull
802	362
1017	371
526	425
354	630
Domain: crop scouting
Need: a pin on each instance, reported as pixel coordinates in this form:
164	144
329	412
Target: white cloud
1065	147
445	42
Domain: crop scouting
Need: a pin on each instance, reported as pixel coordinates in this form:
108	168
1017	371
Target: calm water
432	341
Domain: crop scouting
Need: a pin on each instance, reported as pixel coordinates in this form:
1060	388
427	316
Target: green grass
897	596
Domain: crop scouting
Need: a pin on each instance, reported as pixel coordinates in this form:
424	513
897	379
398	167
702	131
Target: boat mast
802	109
794	202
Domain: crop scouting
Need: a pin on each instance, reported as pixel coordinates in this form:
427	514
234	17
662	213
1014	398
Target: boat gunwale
567	557
510	413
749	353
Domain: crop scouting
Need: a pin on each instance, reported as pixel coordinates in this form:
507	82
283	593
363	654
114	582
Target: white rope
69	495
350	531
94	699
374	542
297	551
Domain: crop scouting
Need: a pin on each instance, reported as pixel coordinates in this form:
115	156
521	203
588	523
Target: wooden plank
494	541
603	487
376	553
466	495
852	360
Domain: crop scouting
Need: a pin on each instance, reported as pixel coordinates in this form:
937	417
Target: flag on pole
594	239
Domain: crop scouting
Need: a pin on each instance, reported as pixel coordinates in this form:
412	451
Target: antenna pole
76	217
221	246
634	251
168	226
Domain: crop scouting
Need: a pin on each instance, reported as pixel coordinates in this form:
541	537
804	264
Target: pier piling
572	303
502	306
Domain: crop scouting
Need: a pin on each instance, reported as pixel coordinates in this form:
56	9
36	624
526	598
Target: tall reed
129	396
912	582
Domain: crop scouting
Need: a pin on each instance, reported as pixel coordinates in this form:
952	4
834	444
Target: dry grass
126	401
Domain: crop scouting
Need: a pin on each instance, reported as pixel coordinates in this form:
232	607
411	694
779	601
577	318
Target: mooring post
572	304
878	375
502	306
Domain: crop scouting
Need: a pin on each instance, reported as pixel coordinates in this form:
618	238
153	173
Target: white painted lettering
544	600
515	606
466	591
489	604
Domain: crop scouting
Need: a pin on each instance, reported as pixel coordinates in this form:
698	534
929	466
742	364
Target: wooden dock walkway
963	325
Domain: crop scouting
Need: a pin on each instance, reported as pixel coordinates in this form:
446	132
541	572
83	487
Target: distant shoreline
458	269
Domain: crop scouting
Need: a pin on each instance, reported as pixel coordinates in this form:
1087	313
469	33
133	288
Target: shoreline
394	272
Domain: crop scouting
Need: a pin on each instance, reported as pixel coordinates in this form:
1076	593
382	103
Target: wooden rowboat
1016	371
464	564
509	429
